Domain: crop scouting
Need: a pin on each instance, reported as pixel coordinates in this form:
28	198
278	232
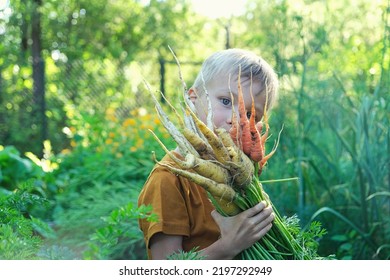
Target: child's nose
229	121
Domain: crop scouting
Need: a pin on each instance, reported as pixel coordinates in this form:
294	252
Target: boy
187	219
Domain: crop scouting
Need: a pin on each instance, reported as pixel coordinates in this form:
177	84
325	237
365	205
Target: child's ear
192	94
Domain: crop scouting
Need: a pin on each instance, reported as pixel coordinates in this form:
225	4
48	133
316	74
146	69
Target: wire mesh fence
88	87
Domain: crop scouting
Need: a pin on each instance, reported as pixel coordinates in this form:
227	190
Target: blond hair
229	62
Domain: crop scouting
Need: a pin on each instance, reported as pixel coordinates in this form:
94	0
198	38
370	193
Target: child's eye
225	101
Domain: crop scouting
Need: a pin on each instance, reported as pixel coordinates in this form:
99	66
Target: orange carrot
267	157
256	153
259	126
244	122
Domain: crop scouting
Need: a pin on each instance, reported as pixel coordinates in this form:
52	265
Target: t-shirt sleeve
164	193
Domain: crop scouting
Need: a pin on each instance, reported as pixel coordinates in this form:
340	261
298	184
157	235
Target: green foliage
100	178
79	214
108	150
15	169
334	107
55	252
192	254
20	234
120	238
29	174
309	238
89	49
99	182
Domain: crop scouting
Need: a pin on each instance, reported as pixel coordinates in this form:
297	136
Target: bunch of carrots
227	164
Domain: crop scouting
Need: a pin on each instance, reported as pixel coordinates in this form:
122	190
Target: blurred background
75	148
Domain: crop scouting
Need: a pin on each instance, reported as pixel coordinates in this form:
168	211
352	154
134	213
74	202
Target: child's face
221	99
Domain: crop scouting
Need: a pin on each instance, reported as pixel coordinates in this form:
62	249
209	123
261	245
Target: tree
38	73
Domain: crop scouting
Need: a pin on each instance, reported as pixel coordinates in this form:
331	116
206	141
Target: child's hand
243	230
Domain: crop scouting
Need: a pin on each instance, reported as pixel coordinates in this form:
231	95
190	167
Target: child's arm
237	233
163	245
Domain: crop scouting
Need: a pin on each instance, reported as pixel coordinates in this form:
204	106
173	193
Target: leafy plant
193	254
102	177
21	235
120	237
55	252
15	169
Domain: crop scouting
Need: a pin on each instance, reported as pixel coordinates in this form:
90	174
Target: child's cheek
219	119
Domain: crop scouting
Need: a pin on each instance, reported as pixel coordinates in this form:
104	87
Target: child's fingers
263	231
261	225
268	219
255	209
265	213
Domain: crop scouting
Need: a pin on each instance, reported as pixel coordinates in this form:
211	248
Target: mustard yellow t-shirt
183	208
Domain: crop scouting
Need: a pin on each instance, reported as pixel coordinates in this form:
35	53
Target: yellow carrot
216	189
244	122
225	207
219	149
240	166
203	167
201	146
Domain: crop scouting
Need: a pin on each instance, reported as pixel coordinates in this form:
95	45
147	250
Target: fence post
38	74
39	99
